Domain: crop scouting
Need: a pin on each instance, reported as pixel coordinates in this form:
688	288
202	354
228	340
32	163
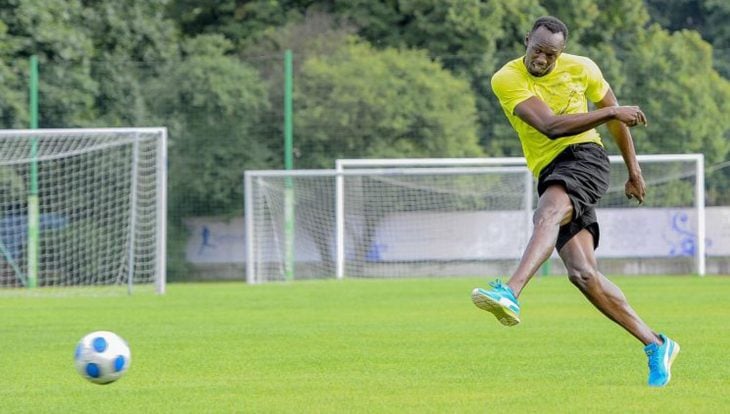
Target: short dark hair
553	24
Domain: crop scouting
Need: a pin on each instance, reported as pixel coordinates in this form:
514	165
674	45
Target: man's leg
554	209
580	261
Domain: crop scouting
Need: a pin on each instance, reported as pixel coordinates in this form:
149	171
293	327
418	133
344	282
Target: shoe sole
672	357
670	361
504	315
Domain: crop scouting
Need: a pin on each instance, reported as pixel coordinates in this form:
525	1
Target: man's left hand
636	188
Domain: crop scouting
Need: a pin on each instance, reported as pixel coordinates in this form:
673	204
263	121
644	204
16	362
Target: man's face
543	49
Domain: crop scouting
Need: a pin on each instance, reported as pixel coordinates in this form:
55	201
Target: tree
211	103
137	40
684	98
708	17
53	30
241	22
472	39
686	101
13	72
92	55
360	102
717	32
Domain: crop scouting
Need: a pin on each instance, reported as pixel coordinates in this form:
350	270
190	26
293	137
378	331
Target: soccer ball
102	357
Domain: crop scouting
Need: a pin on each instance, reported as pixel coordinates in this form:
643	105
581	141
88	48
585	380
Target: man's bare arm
537	114
635	186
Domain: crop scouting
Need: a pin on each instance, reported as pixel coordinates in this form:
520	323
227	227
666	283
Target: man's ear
527	39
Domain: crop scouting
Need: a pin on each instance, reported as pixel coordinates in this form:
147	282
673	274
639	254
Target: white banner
625	233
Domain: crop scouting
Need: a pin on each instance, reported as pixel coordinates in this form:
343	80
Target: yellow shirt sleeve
510	88
597	87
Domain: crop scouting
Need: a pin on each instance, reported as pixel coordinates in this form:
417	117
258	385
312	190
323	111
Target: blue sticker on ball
77	353
92	370
99	344
119	363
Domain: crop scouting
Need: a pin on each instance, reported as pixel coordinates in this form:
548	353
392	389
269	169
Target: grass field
368	346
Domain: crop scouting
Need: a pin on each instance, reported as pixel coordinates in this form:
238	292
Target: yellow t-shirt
566	90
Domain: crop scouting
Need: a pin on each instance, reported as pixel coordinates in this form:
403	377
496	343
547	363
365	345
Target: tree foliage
212	104
372	78
54	31
361	102
13	110
137	39
683	97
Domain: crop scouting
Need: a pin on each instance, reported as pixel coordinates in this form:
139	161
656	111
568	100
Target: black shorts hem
569	231
583	171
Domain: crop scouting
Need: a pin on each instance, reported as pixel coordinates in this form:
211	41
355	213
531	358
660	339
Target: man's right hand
630	115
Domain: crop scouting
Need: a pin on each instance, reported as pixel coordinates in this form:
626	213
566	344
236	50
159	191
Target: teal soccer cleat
660	361
500	301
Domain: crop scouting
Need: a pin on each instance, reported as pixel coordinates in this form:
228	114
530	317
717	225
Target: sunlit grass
416	345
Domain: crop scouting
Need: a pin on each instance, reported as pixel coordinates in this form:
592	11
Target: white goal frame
160	183
250	176
343	165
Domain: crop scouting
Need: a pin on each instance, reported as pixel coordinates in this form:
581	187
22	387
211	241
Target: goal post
101	195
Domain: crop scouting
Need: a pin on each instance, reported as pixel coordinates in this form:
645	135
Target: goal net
395	222
82	207
456	217
666	235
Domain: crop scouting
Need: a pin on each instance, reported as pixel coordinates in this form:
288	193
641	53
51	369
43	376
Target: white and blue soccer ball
102	357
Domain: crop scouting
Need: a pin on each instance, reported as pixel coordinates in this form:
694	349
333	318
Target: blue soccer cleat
660	361
500	301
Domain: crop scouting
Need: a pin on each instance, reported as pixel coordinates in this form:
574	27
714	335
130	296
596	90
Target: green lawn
368	346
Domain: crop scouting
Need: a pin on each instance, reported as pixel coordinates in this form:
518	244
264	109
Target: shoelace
497	284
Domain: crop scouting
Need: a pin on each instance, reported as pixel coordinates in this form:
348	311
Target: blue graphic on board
685	241
14	231
374	254
205	236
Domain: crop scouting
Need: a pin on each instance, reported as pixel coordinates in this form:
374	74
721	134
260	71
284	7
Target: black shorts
584	171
